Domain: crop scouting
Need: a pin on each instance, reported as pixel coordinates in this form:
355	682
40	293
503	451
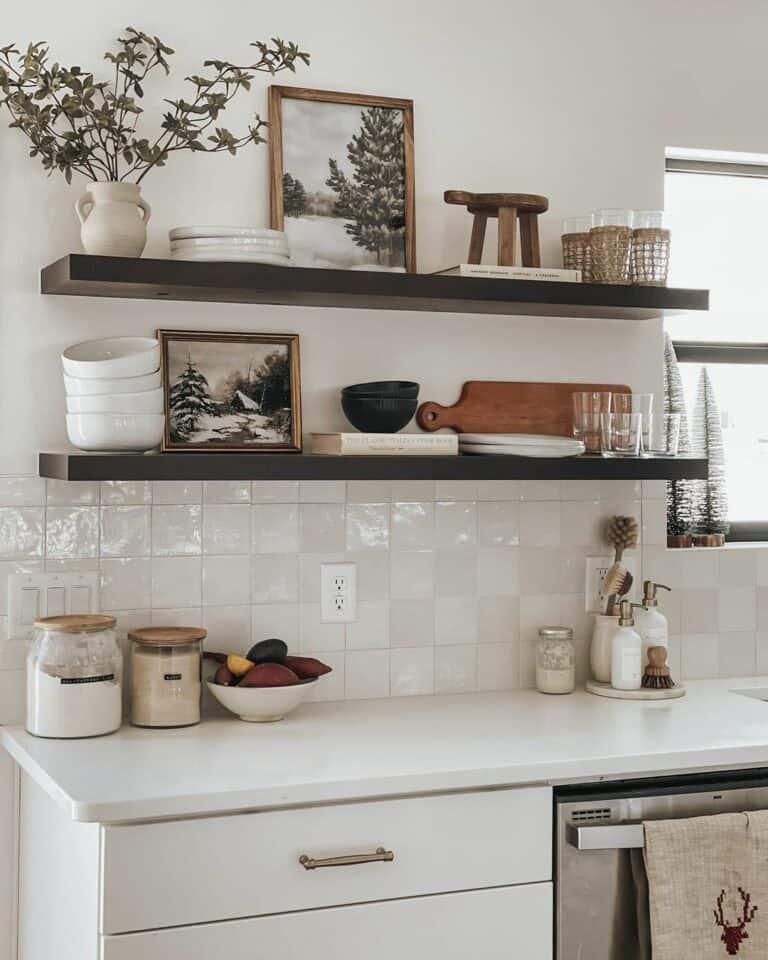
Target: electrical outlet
596	569
338	592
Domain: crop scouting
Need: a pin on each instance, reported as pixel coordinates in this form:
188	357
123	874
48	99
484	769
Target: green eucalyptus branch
78	125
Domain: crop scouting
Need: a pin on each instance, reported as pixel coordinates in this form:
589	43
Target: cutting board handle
432	416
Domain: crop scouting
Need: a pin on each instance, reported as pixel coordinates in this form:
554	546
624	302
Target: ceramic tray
606	690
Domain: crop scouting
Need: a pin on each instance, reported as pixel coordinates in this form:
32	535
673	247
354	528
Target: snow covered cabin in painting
231	391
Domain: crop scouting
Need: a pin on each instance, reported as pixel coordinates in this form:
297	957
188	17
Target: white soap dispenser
650	622
626	660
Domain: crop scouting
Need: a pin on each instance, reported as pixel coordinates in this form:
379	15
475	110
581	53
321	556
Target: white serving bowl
113	357
151	401
78	387
134	432
261	704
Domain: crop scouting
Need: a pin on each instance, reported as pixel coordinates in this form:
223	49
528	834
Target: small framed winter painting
231	391
342	185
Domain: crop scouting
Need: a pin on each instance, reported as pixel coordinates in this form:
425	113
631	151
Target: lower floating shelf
283	466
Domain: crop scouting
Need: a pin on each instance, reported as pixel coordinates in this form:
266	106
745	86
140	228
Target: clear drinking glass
620	434
613	217
663	436
577	224
588	406
636	403
649	219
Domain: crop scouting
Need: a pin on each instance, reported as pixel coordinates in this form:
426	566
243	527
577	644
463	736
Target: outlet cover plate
338	592
596	569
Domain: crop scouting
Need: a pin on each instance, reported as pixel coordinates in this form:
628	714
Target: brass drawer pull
381	854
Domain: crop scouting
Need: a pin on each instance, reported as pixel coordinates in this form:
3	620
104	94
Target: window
718	213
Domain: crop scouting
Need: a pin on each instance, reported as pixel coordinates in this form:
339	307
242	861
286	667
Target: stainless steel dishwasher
598	831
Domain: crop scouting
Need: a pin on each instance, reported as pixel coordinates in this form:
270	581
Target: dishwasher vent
589	816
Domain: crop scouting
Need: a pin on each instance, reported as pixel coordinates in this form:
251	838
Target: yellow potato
239	666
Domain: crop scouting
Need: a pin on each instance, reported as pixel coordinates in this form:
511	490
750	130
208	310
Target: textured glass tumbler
620	434
587	409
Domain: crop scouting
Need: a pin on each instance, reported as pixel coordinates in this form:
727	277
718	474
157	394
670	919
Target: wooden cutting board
498	406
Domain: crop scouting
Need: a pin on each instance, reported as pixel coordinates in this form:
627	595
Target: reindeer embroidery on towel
734	933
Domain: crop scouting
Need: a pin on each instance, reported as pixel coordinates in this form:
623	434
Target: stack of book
490	270
386	444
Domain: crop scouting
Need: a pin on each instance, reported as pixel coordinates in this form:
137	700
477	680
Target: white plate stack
248	244
114	394
519	445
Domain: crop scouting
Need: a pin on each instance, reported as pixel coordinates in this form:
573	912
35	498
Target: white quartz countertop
351	750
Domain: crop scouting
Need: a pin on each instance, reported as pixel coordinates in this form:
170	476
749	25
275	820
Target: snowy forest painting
343	179
231	391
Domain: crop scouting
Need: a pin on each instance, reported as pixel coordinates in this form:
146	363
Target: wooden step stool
508	207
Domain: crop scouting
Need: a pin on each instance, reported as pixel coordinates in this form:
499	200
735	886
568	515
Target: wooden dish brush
657	675
621	533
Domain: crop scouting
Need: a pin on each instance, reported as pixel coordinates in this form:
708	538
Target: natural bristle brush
656	676
622	533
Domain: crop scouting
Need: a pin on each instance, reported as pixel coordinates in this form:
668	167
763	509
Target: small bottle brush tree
189	400
679	492
710	501
77	124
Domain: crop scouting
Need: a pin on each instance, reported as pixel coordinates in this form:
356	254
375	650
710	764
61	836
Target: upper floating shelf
87	276
282	466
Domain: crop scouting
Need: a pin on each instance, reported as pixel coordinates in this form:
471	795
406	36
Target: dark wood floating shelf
87	276
266	466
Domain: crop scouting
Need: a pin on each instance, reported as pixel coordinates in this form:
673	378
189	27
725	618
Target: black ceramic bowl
402	389
378	414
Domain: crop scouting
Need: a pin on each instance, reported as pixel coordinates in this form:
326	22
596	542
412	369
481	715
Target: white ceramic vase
600	649
113	219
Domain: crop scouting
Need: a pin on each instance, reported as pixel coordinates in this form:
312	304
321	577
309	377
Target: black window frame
716	351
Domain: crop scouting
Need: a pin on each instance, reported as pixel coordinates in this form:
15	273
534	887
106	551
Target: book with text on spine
383	444
490	270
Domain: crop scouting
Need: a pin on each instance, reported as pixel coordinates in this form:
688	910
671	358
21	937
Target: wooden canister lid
77	623
167	636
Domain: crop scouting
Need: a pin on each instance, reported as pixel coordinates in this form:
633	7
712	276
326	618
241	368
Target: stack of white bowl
114	394
249	244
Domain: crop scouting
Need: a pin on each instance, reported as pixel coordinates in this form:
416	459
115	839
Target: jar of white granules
555	660
74	677
165	676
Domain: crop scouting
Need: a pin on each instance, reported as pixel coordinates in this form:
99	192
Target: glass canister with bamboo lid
165	676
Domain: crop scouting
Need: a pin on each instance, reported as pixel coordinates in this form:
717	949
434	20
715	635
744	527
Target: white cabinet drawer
514	922
219	868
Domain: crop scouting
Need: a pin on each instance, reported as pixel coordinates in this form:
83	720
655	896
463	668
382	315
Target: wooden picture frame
277	97
240	382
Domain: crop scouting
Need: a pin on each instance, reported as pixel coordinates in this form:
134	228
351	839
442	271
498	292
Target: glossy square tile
669	567
762	568
539	570
762	608
698	611
322	491
411	623
115	493
498	572
508	490
412	574
455	524
761	640
316	635
737	567
498	666
372	573
176	617
499	620
700	658
369	491
456	669
671	604
737	609
276	620
581	523
456	490
72	493
177	530
275	491
695	569
540	490
572	574
323	528
72	532
227	580
275	528
371	629
455	573
275	578
654	489
177	491
621	489
412	671
498	524
737	654
580	490
535	612
540	524
22	492
226	491
655	522
413	491
309	574
21	532
366	674
126	584
125	531
227	528
331	685
229	628
176	582
368	526
456	620
413	526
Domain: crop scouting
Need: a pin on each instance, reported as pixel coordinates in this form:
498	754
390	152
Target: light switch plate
35	595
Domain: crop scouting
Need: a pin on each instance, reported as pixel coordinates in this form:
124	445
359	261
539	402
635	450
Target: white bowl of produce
261	704
134	432
80	387
151	401
113	357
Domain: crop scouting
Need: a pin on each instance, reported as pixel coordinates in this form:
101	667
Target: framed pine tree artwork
342	178
231	391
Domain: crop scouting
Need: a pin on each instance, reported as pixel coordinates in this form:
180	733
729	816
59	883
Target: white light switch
30	604
35	595
80	601
55	601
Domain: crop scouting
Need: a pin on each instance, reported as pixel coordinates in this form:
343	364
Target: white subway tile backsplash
572	573
498	490
412	671
737	568
612	490
700	657
456	490
694	569
498	666
22	532
275	528
126	584
499	620
275	491
762	608
322	491
69	493
331	685
176	582
412	526
177	530
456	620
699	611
455	524
762	568
276	620
371	628
762	651
22	492
580	490
318	636
412	491
654	522
540	490
654	489
125	492
737	609
125	531
368	526
737	654
177	617
411	623
539	570
372	573
366	674
72	532
369	491
226	491
498	524
581	523
275	578
456	669
226	528
177	491
498	573
412	574
309	574
227	580
323	528
455	573
540	524
229	628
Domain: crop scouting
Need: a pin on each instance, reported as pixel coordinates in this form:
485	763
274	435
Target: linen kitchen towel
708	887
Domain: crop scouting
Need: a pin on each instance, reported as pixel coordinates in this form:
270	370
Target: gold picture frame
330	244
221	396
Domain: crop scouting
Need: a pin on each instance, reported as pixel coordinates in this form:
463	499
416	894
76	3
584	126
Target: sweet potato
269	675
307	668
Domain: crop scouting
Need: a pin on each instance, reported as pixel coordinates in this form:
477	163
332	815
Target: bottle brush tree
679	492
710	500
